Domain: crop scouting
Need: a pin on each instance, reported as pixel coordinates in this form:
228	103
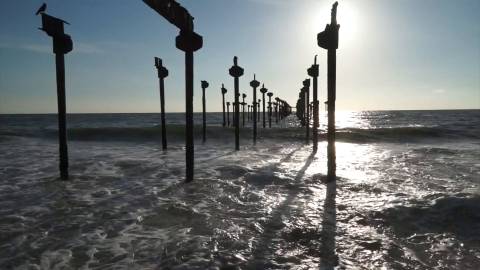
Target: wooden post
62	44
313	72
328	39
189	42
255	84
228	113
306	88
302	103
270	94
243	109
263	90
276	110
162	74
62	122
189	145
224	91
204	114
258	109
236	72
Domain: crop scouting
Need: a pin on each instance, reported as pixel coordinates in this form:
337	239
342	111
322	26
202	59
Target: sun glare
347	17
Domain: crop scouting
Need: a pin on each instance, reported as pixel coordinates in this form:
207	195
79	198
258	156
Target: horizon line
375	110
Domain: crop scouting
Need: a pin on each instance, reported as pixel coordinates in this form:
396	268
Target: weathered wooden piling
204	113
62	44
236	71
270	94
313	72
328	39
224	91
306	88
187	41
276	110
300	108
243	108
162	74
258	109
255	84
233	113
263	90
228	113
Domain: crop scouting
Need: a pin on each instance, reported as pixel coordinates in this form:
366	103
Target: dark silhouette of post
236	71
328	39
305	105
255	84
228	113
263	90
162	74
62	44
313	72
300	109
243	108
233	112
224	91
306	88
189	42
258	107
270	94
276	110
204	113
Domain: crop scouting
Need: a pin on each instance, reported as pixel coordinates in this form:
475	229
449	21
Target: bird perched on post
42	9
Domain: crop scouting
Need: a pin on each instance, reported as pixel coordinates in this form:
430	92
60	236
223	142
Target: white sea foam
395	204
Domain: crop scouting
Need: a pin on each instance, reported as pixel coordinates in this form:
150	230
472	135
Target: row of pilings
278	109
188	41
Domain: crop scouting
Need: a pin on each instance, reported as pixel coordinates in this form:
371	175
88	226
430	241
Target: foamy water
407	195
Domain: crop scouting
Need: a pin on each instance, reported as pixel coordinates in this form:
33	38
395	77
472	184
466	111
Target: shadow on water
329	226
274	224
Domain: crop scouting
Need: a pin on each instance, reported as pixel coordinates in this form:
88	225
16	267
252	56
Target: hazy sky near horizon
393	54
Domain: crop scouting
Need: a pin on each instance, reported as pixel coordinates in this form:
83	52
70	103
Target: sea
407	194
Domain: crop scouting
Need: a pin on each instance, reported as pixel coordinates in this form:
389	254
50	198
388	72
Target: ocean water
407	194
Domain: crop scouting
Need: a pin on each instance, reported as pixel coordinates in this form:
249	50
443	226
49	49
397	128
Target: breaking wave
177	132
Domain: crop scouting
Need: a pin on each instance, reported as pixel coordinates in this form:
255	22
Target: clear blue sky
401	54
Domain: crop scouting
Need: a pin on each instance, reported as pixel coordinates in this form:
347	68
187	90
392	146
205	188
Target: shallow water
401	201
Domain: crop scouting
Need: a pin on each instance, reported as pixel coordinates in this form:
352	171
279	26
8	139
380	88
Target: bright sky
393	54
